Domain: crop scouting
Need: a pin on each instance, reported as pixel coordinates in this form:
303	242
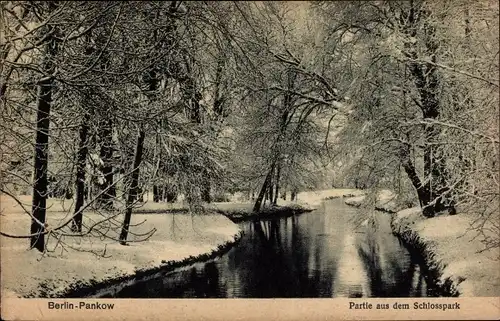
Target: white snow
178	236
355	201
384	200
456	250
315	198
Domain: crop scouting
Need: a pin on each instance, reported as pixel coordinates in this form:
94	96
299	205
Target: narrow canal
330	252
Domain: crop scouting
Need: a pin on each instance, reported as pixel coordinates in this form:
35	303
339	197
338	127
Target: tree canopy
104	103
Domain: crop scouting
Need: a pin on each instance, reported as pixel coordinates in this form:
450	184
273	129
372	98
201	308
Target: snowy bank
313	199
454	258
240	212
385	201
179	239
305	202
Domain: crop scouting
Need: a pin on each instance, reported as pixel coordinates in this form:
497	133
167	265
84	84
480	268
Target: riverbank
305	202
244	212
385	201
454	258
78	265
179	239
313	199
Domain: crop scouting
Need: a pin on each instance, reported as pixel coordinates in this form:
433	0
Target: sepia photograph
249	149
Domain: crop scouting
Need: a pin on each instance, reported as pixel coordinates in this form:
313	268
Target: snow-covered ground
385	200
453	250
305	201
179	236
314	198
309	200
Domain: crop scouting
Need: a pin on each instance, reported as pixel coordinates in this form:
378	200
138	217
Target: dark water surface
324	253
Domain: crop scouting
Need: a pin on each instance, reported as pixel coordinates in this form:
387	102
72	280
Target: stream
334	251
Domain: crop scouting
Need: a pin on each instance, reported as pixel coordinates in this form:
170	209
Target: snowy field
178	236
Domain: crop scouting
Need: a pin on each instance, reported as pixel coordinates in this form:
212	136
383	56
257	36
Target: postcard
254	160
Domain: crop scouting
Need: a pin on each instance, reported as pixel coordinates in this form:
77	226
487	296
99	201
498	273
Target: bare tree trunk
156	191
41	151
219	100
263	190
205	191
270	188
134	184
106	136
192	97
132	194
171	195
76	224
156	194
106	154
126	180
409	167
433	195
293	194
277	184
41	164
163	193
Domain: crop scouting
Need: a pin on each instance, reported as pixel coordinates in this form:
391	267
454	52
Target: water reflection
317	254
